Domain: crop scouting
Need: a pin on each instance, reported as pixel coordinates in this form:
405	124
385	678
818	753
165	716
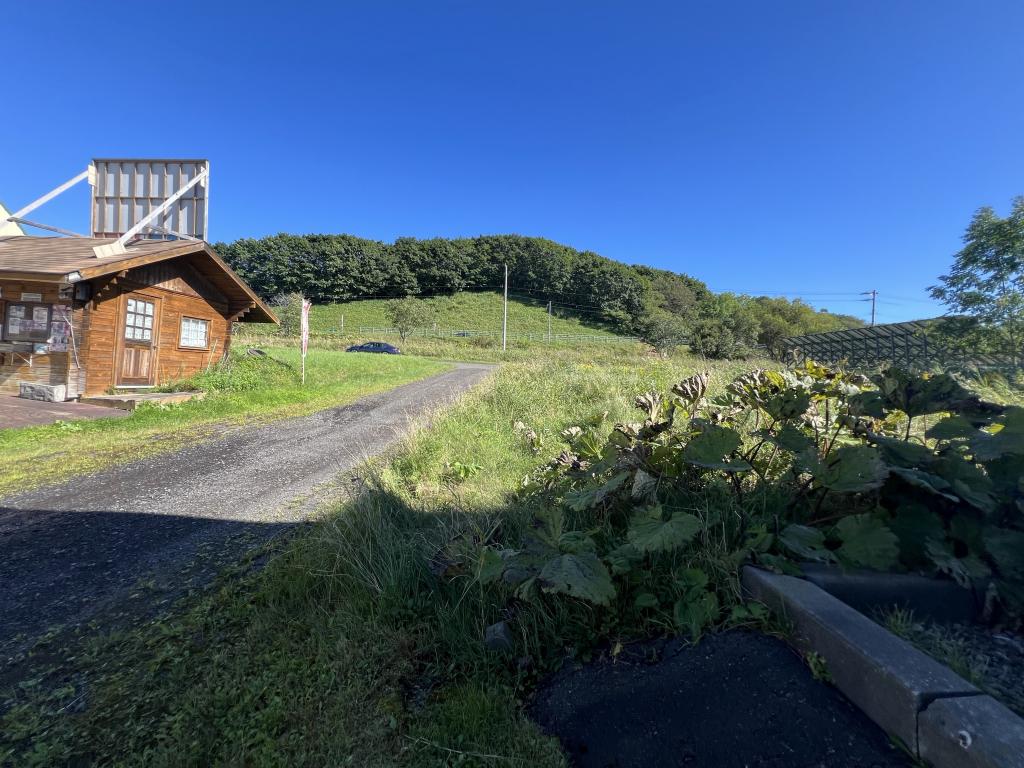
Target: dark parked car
375	346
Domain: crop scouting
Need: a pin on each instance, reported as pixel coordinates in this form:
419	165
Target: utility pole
504	316
549	321
874	295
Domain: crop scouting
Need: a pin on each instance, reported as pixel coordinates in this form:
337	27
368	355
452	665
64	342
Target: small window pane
138	318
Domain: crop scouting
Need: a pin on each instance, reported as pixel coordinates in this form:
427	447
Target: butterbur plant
651	520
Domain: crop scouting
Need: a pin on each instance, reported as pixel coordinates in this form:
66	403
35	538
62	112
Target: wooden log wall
49	368
179	292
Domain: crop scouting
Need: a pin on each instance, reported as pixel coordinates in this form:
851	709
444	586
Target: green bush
650	523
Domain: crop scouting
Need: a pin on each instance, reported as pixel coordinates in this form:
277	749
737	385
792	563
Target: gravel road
69	551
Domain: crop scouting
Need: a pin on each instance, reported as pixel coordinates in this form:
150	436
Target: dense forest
664	307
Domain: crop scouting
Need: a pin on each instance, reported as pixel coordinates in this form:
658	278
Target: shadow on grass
63	567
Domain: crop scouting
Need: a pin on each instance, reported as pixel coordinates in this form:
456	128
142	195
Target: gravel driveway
148	530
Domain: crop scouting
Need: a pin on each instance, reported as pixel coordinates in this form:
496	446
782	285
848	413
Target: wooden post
504	318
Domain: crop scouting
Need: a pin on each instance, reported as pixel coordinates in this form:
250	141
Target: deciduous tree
985	286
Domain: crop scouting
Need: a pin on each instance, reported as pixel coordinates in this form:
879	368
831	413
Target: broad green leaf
1007	550
809	461
692	578
576	542
977	499
870	403
925	481
969	531
759	539
649	534
853	469
793	440
644	485
1007	475
805	542
589	498
583	576
963	570
623	559
915	525
788	404
525	589
867	542
921	393
711	448
1005	437
746	612
695	612
904	453
490	566
952	428
646	600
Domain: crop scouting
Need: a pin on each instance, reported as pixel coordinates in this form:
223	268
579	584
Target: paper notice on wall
16	311
40	314
59	336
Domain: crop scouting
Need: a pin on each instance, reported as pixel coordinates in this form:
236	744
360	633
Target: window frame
29	306
181	328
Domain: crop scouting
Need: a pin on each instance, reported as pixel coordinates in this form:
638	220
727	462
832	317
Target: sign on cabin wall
60	329
31	296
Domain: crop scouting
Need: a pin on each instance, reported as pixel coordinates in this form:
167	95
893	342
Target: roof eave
259	312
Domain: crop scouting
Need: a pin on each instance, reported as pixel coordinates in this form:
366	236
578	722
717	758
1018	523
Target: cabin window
27	322
195	332
138	324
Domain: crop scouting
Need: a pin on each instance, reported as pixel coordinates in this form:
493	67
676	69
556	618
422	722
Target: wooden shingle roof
53	259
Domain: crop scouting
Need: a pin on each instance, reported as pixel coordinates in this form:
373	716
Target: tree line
664	307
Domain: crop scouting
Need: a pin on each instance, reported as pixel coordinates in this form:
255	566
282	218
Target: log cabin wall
48	368
178	292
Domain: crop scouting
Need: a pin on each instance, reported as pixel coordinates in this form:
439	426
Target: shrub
651	522
288	307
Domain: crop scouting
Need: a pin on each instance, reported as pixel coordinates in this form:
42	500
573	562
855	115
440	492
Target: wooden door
139	329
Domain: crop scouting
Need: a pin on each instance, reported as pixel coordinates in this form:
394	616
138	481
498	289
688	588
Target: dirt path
149	530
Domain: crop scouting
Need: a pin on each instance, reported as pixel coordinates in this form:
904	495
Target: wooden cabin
160	311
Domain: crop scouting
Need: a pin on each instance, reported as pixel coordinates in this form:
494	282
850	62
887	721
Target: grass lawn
460	311
480	350
244	390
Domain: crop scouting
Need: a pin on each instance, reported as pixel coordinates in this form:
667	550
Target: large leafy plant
899	472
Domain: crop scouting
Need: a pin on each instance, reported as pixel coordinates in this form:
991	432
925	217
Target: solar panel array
904	344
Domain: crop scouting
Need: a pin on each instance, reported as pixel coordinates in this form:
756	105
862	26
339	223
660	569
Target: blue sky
801	148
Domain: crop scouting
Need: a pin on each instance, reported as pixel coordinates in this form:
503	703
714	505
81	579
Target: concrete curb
938	715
